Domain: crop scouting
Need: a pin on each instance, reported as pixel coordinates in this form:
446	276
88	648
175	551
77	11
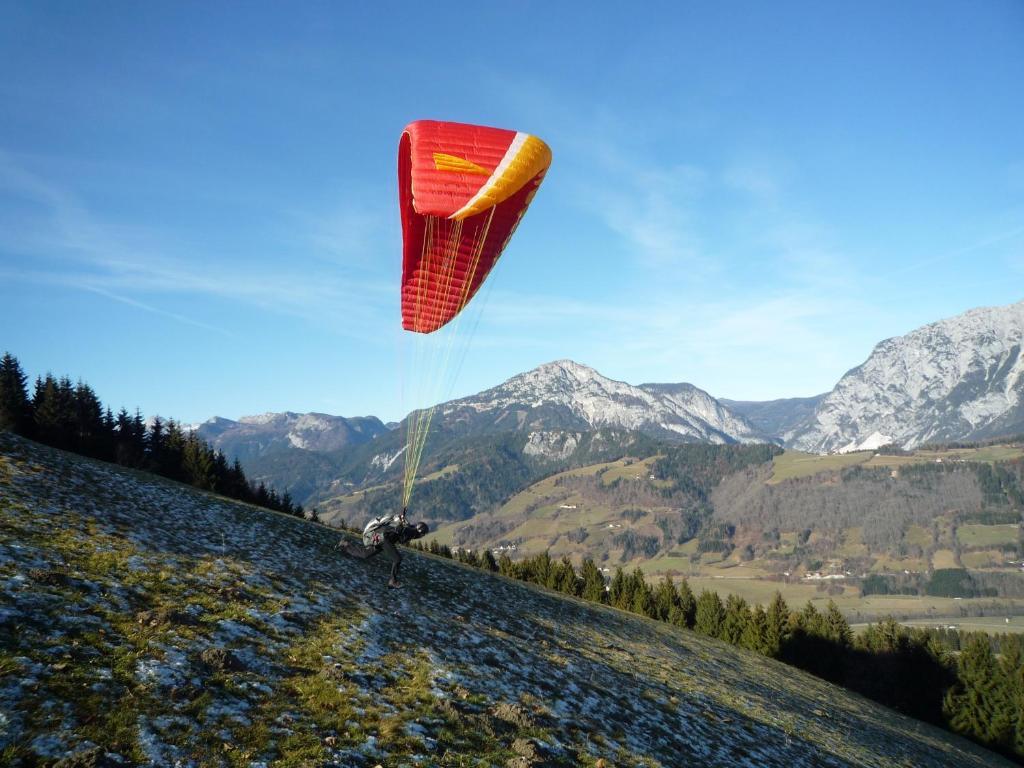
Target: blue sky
198	207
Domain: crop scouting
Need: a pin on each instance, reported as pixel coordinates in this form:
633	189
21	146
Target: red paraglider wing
462	191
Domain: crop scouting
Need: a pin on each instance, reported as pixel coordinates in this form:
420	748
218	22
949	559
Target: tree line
72	417
970	683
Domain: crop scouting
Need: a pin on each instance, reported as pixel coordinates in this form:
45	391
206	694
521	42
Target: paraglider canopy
462	190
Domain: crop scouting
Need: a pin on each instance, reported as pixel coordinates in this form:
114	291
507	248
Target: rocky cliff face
957	379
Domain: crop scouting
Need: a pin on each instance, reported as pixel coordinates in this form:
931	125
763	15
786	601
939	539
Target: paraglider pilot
381	535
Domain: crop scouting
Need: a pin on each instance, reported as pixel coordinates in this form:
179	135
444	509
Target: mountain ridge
961	378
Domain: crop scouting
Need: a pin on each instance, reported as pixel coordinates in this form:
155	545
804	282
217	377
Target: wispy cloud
354	231
1011	236
652	210
158	311
729	346
64	243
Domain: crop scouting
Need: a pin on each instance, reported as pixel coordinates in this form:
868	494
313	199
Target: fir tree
15	407
46	408
776	626
567	582
641	597
260	495
593	582
835	626
666	600
710	614
735	619
542	570
617	589
1011	664
687	606
505	565
129	449
489	562
978	705
68	438
810	621
174	453
222	476
197	467
885	637
756	632
90	436
156	445
139	437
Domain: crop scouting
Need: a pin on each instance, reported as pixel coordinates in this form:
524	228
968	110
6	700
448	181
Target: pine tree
710	614
273	500
139	437
222	475
810	621
543	570
567	581
755	633
735	620
1011	663
593	582
197	466
15	407
89	433
885	637
978	705
489	562
156	445
617	589
235	484
174	454
835	626
260	495
777	625
125	453
109	434
687	606
46	408
67	428
641	597
666	599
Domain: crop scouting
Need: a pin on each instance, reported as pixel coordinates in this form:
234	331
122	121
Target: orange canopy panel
462	190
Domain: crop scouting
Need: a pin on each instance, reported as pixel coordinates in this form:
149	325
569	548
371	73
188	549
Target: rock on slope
567	395
958	379
148	621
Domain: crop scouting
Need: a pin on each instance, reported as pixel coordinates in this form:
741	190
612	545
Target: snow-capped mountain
253	436
567	395
957	379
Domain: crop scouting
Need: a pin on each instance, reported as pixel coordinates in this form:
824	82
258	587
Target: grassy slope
539	523
793	464
165	624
